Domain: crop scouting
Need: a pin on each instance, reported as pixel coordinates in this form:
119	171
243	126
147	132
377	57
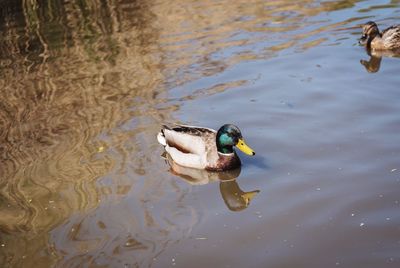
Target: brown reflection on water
201	32
83	86
70	74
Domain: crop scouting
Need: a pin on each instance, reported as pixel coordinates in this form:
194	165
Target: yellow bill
244	148
248	196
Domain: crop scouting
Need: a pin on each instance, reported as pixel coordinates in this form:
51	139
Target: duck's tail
161	138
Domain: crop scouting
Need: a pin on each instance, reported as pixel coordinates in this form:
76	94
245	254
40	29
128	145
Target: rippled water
85	86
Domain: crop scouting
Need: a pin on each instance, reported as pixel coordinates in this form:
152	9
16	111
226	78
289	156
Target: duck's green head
228	136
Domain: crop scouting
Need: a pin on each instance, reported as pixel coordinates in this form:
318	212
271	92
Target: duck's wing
193	130
189	146
391	29
189	139
391	36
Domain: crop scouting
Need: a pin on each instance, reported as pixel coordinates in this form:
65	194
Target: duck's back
189	139
391	37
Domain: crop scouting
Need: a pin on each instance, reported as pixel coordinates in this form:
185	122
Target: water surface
86	85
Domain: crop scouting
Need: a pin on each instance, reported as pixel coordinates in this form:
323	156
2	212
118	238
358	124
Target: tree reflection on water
84	86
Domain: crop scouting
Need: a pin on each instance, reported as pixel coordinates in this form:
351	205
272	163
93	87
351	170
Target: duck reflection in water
373	64
375	58
235	198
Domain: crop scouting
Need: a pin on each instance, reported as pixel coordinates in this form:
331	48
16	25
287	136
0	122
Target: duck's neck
225	149
375	41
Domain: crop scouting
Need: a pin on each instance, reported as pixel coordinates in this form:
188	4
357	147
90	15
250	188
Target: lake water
85	87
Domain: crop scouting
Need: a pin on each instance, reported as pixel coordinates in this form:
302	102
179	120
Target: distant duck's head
228	136
370	31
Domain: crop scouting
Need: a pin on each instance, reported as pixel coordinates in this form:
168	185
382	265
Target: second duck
389	39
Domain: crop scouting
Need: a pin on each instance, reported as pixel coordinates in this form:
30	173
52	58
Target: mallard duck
204	148
375	40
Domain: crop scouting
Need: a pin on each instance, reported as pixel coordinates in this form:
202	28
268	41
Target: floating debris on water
362	224
258	213
393	170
